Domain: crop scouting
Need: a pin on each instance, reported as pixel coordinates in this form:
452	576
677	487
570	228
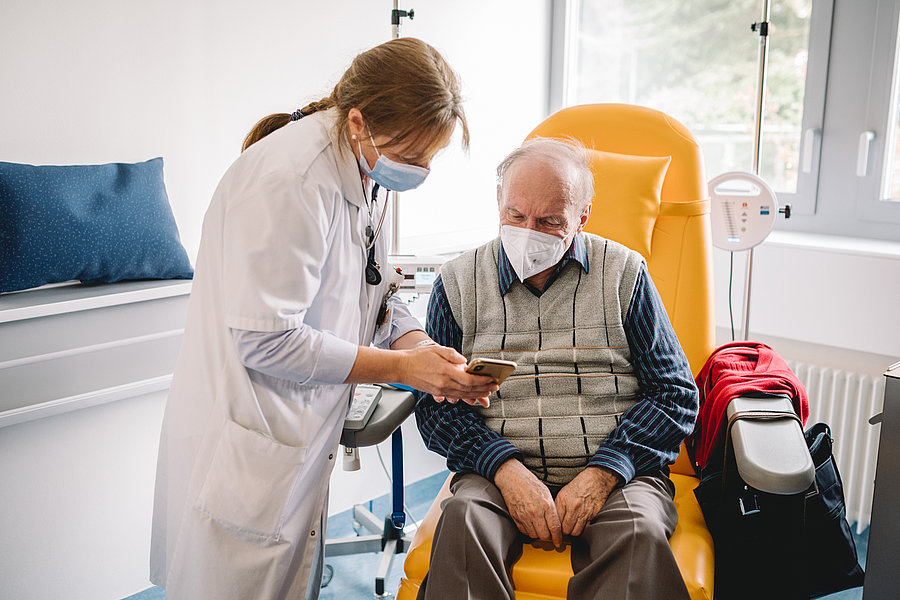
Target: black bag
745	544
833	564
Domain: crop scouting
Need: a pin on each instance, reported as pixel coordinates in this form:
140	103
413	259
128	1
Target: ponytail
404	89
267	125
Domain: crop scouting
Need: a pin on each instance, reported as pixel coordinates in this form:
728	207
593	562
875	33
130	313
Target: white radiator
845	401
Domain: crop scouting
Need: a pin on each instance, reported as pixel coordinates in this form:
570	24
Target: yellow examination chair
659	208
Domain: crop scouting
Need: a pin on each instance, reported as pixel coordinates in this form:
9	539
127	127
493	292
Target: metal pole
763	30
394	197
395	27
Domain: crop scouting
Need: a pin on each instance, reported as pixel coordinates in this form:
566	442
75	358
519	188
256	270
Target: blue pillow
94	223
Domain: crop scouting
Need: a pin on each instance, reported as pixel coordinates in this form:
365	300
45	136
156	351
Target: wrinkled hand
529	502
441	372
582	498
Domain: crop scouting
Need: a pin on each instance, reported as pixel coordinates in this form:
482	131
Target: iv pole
763	29
396	15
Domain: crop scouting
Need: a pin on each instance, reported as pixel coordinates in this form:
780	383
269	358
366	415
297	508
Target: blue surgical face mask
391	174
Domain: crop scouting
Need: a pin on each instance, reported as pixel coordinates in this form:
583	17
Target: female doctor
291	290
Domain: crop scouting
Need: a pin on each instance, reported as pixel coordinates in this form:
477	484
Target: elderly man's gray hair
569	152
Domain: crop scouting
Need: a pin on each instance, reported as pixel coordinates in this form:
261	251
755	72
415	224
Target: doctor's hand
441	372
582	498
529	502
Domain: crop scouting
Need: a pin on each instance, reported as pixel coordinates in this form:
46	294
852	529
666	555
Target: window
698	61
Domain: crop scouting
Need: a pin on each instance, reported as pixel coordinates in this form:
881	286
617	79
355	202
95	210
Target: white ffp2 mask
530	251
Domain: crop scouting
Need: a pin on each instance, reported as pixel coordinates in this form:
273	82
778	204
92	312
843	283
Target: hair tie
297	115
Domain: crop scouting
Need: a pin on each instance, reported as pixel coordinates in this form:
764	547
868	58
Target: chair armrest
770	452
392	409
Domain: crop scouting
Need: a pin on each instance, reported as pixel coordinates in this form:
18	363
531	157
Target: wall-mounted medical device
742	209
419	272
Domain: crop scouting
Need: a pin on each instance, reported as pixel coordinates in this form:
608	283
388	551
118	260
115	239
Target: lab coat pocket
249	481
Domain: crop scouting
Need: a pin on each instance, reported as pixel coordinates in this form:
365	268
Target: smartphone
494	367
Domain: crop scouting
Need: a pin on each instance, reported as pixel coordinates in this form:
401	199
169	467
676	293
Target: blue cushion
94	223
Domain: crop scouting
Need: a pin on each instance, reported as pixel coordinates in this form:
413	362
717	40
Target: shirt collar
507	275
347	164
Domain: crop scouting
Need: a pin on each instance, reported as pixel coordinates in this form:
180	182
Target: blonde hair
404	89
567	151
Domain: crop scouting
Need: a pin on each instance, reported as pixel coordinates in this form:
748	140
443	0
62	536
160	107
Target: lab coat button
330	456
312	533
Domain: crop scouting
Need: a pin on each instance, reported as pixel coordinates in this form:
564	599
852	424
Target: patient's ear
583	219
498	195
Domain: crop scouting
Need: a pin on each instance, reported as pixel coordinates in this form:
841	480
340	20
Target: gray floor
354	576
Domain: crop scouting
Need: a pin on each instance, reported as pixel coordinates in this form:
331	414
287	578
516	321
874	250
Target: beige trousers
623	554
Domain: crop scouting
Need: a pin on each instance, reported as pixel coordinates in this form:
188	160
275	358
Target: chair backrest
680	261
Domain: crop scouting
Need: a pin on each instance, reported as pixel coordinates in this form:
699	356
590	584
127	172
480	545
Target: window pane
891	177
786	81
698	61
892	172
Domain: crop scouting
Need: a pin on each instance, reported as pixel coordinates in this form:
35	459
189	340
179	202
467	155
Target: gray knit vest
574	377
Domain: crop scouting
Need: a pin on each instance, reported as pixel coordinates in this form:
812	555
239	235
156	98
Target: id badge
384	317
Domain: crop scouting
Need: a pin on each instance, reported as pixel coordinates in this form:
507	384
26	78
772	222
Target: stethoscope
373	275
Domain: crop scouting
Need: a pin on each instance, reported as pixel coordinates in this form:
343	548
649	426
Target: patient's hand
582	498
529	502
441	372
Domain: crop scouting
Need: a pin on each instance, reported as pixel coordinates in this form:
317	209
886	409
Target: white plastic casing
743	210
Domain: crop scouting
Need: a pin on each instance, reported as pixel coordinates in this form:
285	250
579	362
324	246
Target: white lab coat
245	458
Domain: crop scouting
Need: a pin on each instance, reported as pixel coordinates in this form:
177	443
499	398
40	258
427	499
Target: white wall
76	500
106	81
103	81
836	296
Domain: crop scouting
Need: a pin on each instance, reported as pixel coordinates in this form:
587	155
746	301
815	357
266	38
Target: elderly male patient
577	442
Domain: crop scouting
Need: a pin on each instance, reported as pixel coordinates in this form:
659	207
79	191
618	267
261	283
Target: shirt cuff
335	361
614	460
493	454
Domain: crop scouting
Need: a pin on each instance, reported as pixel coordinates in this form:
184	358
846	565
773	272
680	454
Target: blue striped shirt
649	434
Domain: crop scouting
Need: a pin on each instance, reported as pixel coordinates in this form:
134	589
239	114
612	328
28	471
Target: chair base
385	538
